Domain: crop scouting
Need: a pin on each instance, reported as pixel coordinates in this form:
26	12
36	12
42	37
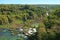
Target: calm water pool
5	34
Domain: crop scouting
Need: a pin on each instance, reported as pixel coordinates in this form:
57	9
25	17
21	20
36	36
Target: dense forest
26	16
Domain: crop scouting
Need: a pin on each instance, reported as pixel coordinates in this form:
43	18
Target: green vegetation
26	16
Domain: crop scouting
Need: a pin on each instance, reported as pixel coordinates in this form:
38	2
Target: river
5	34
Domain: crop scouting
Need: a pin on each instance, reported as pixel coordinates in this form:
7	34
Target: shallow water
5	34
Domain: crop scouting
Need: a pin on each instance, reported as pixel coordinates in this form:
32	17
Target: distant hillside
51	6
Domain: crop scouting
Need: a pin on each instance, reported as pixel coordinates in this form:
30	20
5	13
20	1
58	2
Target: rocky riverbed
15	34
